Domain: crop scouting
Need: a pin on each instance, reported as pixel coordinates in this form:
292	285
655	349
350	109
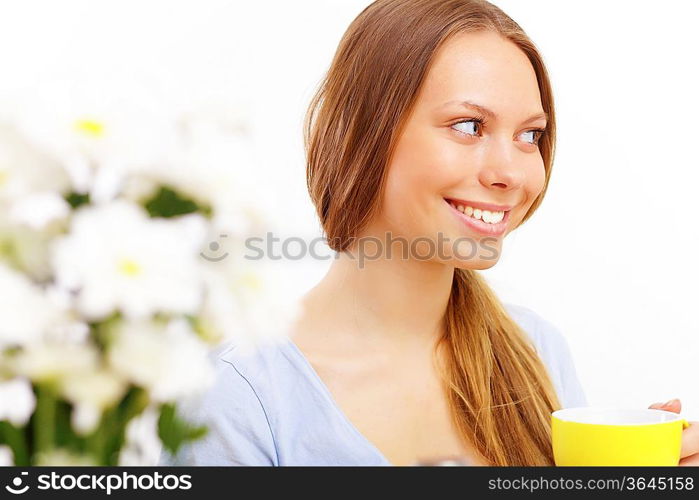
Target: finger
674	405
691	461
690	440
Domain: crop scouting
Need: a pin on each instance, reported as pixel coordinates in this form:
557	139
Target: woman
430	139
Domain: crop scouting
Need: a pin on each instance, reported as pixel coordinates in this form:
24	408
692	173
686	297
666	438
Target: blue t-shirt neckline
323	388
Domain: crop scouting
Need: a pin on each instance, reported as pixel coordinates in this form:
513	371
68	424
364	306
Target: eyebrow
491	114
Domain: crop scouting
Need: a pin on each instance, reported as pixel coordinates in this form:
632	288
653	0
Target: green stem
15	439
44	419
109	438
136	401
94	443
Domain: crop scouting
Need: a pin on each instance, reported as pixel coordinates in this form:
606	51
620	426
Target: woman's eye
535	135
470	125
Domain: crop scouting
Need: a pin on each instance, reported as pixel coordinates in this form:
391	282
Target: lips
477	204
483	228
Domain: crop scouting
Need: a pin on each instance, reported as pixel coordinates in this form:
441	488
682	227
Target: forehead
484	68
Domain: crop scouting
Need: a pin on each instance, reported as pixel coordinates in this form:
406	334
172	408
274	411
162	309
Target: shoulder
239	430
554	350
545	336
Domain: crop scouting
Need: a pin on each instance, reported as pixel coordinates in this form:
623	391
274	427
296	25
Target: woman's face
445	153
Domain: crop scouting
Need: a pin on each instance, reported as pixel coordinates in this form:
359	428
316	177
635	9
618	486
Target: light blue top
269	406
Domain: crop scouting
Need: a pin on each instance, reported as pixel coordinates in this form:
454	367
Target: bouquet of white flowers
121	235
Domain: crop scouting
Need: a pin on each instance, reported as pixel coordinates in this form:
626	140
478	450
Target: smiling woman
435	123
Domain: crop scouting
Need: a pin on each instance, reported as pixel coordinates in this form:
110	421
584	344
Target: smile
488	222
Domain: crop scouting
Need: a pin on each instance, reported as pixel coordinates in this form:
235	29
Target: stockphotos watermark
366	248
99	482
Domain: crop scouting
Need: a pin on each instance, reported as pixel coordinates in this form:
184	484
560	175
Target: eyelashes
482	122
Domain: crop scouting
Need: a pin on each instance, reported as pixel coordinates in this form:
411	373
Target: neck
383	299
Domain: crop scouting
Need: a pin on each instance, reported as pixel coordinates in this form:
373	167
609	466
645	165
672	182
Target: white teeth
497	217
477	213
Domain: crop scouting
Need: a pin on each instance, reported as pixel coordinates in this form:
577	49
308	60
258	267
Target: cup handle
685	424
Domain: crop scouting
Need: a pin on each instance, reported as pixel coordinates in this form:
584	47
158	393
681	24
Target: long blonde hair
499	391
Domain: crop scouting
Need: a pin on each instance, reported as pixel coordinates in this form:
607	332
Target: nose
500	170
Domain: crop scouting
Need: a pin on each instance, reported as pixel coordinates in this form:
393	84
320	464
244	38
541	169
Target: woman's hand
690	436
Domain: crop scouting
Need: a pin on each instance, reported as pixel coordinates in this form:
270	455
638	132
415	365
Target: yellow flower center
251	280
89	127
129	267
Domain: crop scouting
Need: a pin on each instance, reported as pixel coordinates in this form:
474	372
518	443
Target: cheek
532	185
423	164
535	181
417	173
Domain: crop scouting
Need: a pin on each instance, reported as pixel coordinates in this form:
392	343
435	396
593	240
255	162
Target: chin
475	264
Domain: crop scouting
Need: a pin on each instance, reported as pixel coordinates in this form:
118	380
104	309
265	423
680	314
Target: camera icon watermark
213	247
17	488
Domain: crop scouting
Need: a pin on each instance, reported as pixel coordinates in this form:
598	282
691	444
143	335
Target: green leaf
169	203
76	199
174	432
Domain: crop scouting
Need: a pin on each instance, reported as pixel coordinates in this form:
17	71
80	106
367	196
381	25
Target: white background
611	256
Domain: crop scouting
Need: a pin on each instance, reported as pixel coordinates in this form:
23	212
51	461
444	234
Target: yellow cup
616	436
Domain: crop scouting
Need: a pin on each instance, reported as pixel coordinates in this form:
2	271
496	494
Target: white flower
143	445
31	184
7	458
25	170
91	393
64	458
168	360
118	258
17	401
26	312
84	418
39	210
42	361
25	248
89	129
